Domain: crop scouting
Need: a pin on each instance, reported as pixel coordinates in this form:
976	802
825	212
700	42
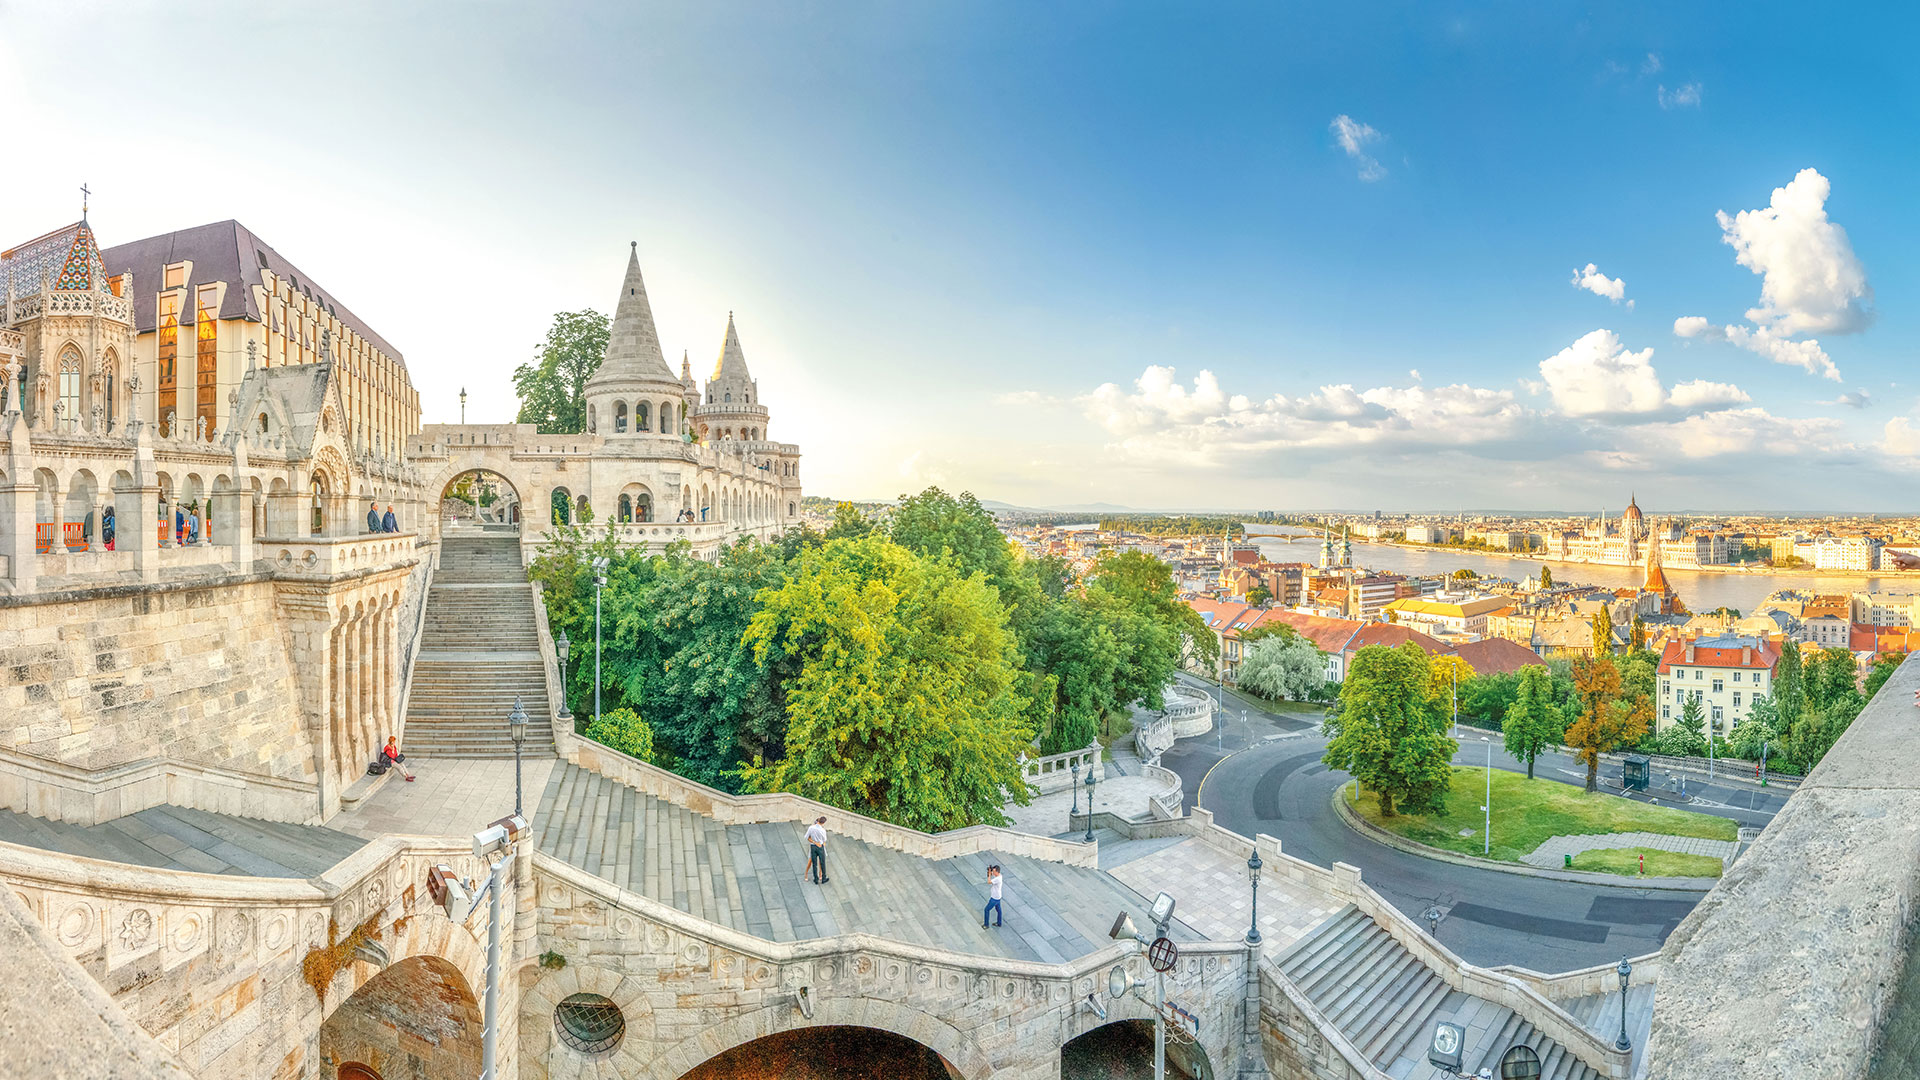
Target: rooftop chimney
1746	655
1689	652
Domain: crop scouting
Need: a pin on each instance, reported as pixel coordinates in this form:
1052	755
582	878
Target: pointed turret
633	345
732	364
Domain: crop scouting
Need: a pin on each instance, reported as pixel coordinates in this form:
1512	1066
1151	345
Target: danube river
1701	591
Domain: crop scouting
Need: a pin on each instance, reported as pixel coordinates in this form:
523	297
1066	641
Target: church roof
67	258
732	363
222	251
633	345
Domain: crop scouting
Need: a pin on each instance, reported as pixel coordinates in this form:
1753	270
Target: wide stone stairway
1386	1001
479	650
176	838
753	878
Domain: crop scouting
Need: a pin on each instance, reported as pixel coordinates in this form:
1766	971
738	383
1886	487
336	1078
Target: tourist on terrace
106	528
993	897
193	525
179	524
393	755
389	523
817	851
373	517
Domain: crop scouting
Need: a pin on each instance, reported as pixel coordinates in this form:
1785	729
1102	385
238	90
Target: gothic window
206	355
642	416
619	416
107	384
318	513
263	423
626	508
729	397
70	388
168	355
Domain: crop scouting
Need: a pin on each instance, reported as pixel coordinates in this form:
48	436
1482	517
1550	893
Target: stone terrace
175	838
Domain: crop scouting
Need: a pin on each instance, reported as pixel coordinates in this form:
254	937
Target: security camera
447	891
498	836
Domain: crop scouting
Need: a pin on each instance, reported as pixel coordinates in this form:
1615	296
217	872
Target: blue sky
994	245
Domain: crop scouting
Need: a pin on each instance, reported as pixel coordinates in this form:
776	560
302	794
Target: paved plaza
1214	894
1124	792
1553	851
451	797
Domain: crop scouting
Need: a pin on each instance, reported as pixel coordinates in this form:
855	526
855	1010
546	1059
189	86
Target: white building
1885	608
1846	553
1450	615
1725	674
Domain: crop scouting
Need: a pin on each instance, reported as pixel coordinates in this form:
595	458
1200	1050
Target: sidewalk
1554	850
451	797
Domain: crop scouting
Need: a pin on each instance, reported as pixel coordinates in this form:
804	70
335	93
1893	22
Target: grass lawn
1527	812
1659	863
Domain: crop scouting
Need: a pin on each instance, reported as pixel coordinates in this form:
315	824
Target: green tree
1789	694
1534	722
1284	669
1546	577
903	705
553	387
623	730
1073	658
934	522
1605	723
1487	697
1386	734
1829	679
1757	735
1687	735
1884	666
848	522
1638	641
1141	604
1260	595
1639	679
1602	633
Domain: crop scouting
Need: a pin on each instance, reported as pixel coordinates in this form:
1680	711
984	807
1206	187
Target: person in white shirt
993	897
817	851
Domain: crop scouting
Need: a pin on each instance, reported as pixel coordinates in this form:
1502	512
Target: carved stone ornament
136	928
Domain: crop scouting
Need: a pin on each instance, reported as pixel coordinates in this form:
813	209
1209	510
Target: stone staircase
479	650
1386	1001
752	878
176	838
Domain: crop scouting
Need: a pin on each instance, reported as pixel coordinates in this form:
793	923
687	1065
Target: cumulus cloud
1750	431
1807	355
1811	282
1690	326
1597	376
1859	399
1355	137
1684	96
1591	279
1900	438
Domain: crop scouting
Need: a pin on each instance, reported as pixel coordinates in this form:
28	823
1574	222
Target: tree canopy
1534	721
1284	669
1605	721
553	387
1387	735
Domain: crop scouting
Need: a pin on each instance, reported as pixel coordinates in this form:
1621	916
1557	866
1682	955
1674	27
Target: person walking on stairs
392	753
817	851
993	897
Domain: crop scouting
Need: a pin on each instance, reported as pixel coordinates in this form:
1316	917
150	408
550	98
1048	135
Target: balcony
329	555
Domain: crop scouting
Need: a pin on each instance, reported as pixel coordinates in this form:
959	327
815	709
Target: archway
482	499
417	1018
829	1052
1123	1050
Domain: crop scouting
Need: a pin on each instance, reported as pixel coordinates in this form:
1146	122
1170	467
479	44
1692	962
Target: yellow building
209	302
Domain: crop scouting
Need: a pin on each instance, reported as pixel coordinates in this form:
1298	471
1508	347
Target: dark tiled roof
223	251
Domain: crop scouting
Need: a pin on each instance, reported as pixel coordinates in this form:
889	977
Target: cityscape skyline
1184	256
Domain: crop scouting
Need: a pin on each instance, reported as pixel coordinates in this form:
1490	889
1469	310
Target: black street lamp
1089	802
1253	875
463	404
1626	970
517	727
1075	768
562	648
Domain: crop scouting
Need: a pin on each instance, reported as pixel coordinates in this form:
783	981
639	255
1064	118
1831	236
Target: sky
1423	256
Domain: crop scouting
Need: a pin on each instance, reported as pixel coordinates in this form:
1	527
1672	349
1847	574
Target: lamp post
562	648
1486	828
1074	768
1089	802
463	404
517	728
599	582
1455	668
1253	876
1626	970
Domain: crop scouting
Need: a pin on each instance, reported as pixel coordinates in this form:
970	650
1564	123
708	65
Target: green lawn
1527	812
1659	863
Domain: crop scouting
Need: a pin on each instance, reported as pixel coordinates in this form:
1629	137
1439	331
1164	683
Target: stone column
336	692
101	500
391	644
17	503
377	659
235	511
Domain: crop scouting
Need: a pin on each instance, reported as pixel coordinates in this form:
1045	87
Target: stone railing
1805	944
329	555
1598	979
1189	708
82	796
1166	802
1153	737
1298	1036
761	809
1055	772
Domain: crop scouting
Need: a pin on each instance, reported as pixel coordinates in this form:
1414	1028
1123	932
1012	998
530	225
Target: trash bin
1569	858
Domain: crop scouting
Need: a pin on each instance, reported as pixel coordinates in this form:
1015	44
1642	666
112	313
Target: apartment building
1724	674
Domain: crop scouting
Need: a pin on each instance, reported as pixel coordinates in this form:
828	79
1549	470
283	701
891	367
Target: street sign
1162	955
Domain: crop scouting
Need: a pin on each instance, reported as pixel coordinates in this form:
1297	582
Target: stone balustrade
1055	772
329	555
1190	709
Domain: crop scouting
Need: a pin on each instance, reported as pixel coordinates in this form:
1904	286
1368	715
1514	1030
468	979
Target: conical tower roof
732	364
1656	579
633	345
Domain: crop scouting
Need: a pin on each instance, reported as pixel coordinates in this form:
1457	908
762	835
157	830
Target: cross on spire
84	196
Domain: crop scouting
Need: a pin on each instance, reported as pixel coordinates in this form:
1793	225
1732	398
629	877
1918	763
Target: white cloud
1859	399
1597	376
1354	137
1599	284
1807	355
1651	65
1025	398
1811	281
1689	326
1900	438
1749	431
1684	96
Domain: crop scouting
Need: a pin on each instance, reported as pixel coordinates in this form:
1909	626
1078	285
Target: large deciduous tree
553	387
903	706
1605	723
1387	734
934	523
1534	721
1284	668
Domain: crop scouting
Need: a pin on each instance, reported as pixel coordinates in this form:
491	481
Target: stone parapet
1056	772
330	555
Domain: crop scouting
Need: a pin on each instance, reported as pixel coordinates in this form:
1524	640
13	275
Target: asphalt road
1261	773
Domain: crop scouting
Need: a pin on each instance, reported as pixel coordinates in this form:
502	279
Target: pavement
1263	774
449	797
1554	850
1124	792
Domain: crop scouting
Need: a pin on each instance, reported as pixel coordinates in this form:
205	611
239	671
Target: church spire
633	345
732	363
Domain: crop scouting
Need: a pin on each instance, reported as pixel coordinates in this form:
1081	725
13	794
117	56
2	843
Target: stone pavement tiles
451	797
1216	899
752	878
1552	852
176	838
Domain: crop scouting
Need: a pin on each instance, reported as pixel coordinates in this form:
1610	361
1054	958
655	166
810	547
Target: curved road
1263	775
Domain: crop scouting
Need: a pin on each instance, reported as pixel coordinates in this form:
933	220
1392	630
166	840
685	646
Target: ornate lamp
561	648
1253	876
1089	802
517	728
1626	972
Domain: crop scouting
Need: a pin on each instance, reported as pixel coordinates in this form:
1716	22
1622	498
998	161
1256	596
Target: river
1702	591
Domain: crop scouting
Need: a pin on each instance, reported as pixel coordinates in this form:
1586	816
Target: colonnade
363	650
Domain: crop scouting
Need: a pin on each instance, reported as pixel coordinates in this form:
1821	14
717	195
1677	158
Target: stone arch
642	416
560	506
619	417
502	508
421	1011
1185	1057
666	419
957	1047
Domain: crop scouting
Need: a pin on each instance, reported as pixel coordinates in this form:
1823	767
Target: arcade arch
417	1017
480	497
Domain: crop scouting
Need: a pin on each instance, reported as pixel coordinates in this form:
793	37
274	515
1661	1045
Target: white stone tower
634	394
731	411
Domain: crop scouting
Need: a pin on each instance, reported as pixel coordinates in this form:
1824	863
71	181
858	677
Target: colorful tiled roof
67	258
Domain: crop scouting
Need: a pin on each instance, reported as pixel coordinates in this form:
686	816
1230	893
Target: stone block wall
119	698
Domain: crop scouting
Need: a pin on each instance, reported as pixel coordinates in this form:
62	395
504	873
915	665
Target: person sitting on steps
392	753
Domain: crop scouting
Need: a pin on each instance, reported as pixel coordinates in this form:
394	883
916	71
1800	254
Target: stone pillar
57	503
337	697
391	644
377	659
17	503
235	511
